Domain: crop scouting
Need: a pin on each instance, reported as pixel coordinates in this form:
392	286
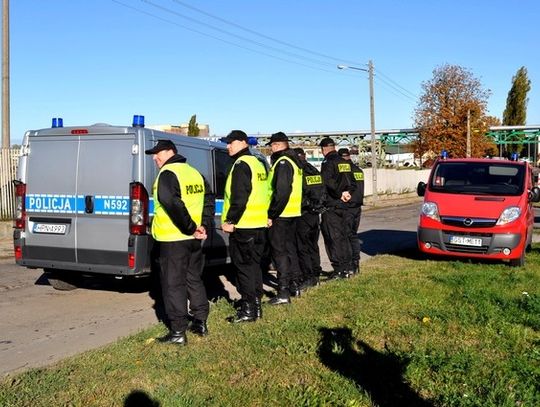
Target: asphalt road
40	325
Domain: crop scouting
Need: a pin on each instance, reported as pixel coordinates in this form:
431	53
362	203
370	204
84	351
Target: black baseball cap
327	141
234	135
279	136
299	151
343	151
162	145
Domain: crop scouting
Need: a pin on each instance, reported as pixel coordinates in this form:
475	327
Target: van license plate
466	241
50	228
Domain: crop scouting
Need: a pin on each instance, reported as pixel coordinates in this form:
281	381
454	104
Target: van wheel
61	281
519	262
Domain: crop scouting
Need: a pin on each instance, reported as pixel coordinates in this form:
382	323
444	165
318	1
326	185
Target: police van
84	198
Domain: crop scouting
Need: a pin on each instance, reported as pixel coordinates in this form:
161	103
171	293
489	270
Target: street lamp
369	70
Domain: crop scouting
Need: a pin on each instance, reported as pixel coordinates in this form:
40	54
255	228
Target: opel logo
468	222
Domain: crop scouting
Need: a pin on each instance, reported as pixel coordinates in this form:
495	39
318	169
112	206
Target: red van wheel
519	262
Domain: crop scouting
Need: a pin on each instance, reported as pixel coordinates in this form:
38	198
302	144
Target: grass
405	332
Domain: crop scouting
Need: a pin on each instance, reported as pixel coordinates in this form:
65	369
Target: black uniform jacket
358	195
170	197
336	181
282	182
240	187
312	192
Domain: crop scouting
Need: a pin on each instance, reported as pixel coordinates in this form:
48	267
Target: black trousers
307	239
182	265
246	247
282	237
353	219
336	231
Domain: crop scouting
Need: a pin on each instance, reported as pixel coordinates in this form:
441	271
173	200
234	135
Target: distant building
204	129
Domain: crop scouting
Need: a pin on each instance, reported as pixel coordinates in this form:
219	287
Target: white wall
391	181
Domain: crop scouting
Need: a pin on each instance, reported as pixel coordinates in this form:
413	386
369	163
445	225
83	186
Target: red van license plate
465	241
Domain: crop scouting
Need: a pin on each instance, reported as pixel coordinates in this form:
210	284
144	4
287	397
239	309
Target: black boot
198	327
282	297
246	313
294	289
258	308
175	337
309	282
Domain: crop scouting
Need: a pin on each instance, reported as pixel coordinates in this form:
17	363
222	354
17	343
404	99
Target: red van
479	208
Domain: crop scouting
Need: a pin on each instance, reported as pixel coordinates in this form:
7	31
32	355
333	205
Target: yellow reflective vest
294	205
192	192
256	213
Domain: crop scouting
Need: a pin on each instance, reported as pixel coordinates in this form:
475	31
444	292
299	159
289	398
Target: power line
396	84
220	39
233	24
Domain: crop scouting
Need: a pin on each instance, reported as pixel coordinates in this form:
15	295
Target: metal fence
9	159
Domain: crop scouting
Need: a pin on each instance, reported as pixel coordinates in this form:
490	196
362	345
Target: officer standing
339	187
307	231
244	217
285	180
183	212
354	210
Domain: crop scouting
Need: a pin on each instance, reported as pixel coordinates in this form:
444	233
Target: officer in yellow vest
354	210
183	212
244	217
285	181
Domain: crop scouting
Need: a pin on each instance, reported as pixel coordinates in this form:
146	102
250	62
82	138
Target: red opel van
478	208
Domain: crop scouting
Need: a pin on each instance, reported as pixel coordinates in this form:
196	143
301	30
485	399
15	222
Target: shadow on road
380	374
384	241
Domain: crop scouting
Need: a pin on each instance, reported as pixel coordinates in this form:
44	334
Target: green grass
404	332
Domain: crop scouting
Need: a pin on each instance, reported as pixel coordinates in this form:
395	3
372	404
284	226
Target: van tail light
20	208
138	216
131	260
18	252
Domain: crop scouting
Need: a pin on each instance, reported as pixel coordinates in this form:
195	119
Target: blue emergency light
252	141
57	122
444	154
514	157
138	120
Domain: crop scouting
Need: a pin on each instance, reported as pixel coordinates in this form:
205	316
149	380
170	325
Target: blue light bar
60	122
252	141
54	123
138	120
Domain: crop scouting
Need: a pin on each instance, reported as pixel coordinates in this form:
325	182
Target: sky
258	65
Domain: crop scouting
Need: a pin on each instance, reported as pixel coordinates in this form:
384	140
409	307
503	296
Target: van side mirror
421	188
534	194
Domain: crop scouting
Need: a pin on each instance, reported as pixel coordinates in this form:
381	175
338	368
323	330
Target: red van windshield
481	178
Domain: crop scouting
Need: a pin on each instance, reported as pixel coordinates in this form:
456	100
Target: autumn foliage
441	115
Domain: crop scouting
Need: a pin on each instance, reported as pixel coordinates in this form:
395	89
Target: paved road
39	325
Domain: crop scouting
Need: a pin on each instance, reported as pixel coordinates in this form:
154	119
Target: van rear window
478	178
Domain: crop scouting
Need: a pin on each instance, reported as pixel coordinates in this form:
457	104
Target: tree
515	113
448	99
193	126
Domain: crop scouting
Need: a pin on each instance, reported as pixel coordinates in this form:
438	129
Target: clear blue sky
106	60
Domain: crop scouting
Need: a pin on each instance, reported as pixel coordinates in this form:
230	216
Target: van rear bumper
437	241
88	261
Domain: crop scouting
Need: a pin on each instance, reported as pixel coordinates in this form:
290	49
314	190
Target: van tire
519	262
60	281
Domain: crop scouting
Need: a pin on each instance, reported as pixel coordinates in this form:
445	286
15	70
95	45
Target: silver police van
84	199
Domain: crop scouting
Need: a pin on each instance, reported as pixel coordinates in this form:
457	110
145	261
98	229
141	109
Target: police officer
339	187
307	231
183	212
354	210
244	217
285	180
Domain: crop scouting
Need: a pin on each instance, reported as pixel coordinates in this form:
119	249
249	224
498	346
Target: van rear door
51	198
103	176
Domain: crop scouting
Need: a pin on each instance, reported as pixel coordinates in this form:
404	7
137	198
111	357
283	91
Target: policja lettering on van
50	203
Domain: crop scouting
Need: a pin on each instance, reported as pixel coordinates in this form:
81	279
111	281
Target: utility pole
373	141
468	152
5	75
